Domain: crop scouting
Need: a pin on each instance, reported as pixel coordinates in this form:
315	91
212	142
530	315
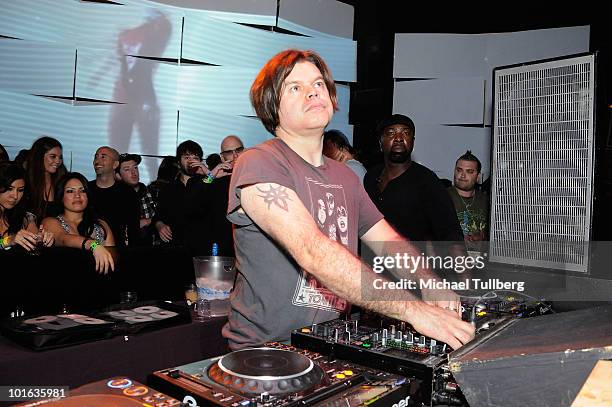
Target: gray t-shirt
272	295
357	168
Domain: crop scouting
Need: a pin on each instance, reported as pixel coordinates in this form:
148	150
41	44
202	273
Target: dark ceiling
405	16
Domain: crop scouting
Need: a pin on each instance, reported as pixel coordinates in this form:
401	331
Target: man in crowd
470	204
298	217
114	201
337	147
231	148
180	219
127	171
410	195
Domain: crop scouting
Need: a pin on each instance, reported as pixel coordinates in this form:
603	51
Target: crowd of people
301	202
41	203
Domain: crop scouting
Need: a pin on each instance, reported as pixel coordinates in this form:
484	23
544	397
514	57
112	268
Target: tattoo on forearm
275	195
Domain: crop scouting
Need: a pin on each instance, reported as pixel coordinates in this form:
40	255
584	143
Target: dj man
298	216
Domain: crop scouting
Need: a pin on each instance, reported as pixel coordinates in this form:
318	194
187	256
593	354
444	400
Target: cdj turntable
280	375
114	392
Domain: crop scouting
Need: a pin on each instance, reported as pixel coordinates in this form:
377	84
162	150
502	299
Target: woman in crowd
17	227
77	226
45	167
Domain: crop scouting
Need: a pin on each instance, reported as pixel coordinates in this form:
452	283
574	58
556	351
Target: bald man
220	227
231	148
114	201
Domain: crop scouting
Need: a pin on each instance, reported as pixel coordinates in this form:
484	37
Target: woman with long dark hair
77	226
17	227
45	167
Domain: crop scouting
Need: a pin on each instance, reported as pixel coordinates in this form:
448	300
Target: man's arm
280	213
384	240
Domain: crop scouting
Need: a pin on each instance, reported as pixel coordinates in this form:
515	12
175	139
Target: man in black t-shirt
183	207
410	195
220	228
114	201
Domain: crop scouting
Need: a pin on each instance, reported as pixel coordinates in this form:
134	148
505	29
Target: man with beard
471	205
409	195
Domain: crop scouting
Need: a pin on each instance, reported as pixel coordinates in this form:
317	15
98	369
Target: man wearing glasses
409	195
231	148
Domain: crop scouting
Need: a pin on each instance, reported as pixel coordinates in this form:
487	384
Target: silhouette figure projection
134	85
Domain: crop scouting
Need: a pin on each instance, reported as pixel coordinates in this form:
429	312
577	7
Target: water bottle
215	249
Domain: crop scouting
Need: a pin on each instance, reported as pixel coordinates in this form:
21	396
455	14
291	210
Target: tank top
98	231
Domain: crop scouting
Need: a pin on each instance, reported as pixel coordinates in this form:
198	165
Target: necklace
467	206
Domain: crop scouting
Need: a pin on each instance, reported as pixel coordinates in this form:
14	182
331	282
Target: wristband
93	246
4	242
83	244
209	178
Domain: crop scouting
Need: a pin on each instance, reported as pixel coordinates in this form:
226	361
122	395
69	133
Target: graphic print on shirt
329	210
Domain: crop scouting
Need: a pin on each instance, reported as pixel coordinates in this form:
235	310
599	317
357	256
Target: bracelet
4	242
83	244
94	245
209	178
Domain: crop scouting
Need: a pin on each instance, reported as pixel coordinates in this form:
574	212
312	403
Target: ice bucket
214	277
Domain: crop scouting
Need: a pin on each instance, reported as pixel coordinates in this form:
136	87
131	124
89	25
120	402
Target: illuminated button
482	313
306	330
119	383
135	391
367	345
340	376
348	372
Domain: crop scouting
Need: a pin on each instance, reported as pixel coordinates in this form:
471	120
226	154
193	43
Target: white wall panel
36	68
444	101
327	16
217	88
438	55
438	147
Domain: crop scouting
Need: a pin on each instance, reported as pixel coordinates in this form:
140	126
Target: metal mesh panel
543	163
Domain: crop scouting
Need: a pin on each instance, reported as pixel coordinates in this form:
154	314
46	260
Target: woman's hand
25	239
104	260
47	237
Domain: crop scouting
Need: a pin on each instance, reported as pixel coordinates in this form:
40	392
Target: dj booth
135	356
360	361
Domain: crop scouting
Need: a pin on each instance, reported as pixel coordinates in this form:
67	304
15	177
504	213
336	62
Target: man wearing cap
127	171
409	195
114	201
